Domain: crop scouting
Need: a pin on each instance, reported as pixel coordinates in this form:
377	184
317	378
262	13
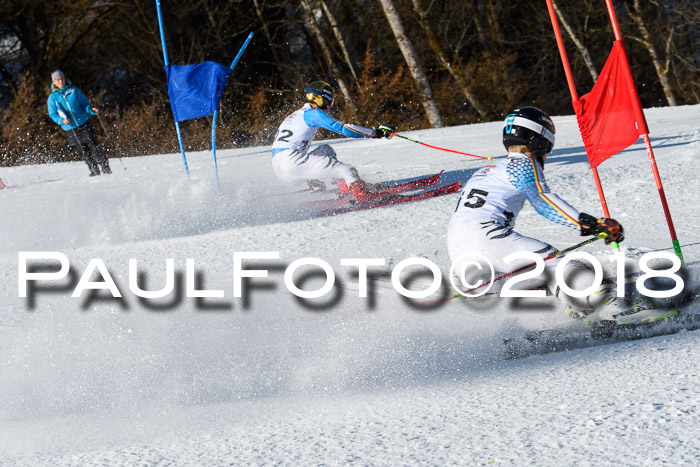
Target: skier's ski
628	278
409	186
384	188
342	198
557	340
389	200
4	186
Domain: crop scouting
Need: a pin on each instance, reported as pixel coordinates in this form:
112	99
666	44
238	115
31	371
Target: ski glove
382	132
609	229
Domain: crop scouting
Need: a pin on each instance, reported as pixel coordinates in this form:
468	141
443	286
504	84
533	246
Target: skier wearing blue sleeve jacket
483	222
292	161
70	109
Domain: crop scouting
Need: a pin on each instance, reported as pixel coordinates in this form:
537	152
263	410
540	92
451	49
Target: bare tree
328	56
662	67
585	55
444	60
266	29
421	80
339	37
497	46
50	34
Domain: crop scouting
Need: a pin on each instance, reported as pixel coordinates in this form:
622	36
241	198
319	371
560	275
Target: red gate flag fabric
608	115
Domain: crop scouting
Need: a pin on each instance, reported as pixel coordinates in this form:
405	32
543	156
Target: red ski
390	200
413	185
3	186
341	199
382	189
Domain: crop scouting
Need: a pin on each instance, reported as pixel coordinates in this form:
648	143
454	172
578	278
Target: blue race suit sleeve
319	118
524	174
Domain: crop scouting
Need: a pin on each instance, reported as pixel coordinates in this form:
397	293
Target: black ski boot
94	170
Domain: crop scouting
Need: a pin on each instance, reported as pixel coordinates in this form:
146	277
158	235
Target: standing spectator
70	109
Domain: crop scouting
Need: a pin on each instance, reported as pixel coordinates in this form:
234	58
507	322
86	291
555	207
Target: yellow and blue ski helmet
319	93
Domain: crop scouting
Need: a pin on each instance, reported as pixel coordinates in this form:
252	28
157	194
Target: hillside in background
480	59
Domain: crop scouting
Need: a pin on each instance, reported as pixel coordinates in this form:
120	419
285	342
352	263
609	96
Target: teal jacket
69	102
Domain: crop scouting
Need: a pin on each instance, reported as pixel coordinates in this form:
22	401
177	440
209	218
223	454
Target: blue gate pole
216	112
213	147
165	58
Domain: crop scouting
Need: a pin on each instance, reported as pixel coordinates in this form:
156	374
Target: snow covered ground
271	379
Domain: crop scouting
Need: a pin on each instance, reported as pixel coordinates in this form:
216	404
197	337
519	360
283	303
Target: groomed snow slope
341	379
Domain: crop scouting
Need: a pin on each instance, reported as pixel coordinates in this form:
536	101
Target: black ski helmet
531	127
319	93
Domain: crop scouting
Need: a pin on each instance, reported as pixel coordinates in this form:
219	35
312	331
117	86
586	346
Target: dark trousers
83	139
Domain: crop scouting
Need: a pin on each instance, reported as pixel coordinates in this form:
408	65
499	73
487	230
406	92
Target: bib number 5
475	199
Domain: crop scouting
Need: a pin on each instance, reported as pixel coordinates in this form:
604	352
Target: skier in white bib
484	220
292	161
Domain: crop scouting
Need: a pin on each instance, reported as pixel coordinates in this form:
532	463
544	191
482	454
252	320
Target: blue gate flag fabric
195	90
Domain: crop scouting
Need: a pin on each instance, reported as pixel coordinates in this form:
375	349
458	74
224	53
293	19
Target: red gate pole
574	96
644	132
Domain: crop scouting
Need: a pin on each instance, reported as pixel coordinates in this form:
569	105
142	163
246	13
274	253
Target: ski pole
216	111
63	115
441	149
77	140
104	128
556	254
